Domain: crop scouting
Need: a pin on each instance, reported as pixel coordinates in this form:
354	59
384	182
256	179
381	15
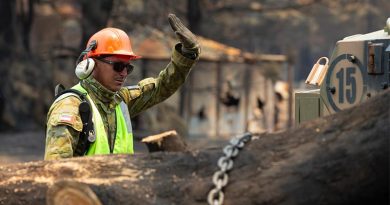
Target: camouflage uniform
64	122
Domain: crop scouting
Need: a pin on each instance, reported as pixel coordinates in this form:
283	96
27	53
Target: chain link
229	151
225	163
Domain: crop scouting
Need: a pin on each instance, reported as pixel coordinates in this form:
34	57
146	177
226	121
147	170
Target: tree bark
340	159
7	32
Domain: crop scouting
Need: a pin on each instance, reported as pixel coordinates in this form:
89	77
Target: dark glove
190	44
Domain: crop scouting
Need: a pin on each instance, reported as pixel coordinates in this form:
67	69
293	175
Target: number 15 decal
347	84
348	80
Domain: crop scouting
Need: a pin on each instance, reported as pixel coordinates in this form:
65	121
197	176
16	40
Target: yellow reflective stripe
126	115
124	135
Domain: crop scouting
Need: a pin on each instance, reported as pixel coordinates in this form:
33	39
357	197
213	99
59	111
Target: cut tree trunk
340	159
69	192
168	141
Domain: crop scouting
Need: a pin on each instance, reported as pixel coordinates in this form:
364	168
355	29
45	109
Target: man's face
111	72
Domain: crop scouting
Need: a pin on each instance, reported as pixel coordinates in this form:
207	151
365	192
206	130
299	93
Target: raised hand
185	36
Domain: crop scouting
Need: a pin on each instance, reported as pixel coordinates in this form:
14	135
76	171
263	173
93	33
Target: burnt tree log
339	159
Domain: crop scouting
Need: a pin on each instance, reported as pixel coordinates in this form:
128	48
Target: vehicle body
359	69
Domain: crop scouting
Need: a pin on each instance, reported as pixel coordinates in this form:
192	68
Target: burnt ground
29	146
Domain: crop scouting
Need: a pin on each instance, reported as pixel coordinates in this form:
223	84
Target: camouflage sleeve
63	127
151	91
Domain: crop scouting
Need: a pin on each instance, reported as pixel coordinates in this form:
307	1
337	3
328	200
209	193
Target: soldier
103	70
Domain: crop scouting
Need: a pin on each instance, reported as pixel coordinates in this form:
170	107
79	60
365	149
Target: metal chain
225	163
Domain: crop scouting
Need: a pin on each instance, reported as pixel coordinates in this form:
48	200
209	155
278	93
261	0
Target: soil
21	147
29	146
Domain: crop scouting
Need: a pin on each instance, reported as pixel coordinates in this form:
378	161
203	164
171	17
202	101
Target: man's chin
118	86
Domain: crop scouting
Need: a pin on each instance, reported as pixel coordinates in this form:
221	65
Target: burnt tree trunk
95	17
340	159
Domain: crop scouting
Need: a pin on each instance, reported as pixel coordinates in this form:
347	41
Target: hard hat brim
125	55
131	55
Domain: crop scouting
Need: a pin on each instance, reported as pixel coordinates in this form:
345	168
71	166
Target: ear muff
85	67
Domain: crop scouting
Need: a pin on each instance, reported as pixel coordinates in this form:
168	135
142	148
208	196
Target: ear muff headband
92	46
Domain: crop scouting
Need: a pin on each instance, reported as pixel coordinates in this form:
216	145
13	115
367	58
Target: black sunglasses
119	66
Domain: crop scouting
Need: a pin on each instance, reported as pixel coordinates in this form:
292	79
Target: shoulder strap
87	134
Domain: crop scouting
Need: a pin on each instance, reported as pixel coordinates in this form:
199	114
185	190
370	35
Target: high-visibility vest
124	132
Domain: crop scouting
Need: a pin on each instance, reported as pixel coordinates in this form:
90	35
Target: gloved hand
190	44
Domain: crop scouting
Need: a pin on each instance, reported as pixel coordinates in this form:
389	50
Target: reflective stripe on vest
124	132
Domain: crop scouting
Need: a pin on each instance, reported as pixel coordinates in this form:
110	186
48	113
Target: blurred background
255	53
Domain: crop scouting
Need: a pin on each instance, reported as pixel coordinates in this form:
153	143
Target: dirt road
22	146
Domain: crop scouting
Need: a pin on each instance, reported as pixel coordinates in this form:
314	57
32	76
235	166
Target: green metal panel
308	106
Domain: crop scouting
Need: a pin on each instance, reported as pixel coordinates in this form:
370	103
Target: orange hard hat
111	41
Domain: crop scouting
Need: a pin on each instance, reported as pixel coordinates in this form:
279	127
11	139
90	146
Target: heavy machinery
359	69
